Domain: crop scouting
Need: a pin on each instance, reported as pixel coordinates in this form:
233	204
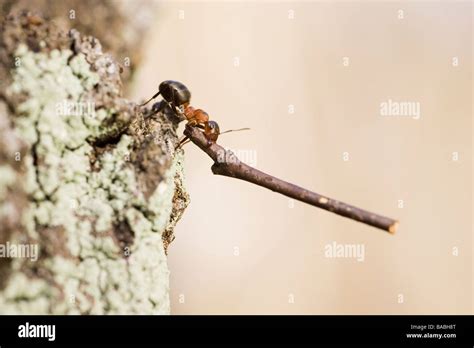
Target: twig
227	164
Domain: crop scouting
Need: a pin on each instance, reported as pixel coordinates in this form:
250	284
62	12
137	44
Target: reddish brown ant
200	119
177	96
195	117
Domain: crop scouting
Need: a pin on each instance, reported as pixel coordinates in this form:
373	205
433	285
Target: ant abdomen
175	92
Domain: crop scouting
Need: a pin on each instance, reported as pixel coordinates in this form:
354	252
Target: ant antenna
234	130
149	100
186	140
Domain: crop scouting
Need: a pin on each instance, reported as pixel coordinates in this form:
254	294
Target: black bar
262	330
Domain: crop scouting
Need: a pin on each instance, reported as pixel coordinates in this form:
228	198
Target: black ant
177	95
174	93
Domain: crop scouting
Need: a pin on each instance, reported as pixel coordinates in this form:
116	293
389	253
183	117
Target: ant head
212	126
211	130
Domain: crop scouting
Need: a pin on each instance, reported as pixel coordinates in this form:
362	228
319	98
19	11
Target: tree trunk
90	186
120	26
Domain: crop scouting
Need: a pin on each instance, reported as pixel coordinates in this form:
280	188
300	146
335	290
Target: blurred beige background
242	249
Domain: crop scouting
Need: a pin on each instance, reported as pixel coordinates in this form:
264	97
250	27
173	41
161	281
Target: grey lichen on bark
85	175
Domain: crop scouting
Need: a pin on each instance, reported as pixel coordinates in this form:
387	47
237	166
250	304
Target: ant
178	97
174	93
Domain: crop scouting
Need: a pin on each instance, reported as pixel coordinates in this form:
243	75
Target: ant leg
173	107
192	122
149	100
183	141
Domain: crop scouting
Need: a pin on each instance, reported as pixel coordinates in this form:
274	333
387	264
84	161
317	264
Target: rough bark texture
120	25
85	175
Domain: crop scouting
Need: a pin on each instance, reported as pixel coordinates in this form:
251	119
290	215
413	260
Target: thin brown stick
227	164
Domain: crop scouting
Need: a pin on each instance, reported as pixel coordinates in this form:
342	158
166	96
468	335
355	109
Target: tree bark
85	176
119	25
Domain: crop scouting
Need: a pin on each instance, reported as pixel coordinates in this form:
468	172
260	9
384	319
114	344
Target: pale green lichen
95	278
26	296
7	178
